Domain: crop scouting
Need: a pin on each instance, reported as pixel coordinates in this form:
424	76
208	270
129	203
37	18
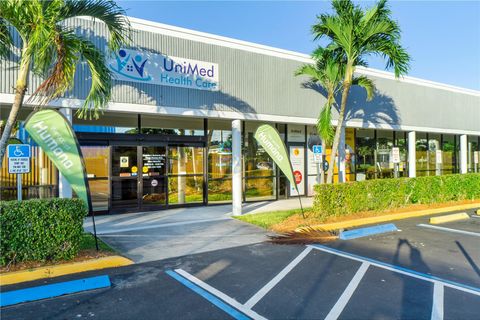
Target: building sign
155	163
296	133
395	155
18	158
313	168
297	158
148	67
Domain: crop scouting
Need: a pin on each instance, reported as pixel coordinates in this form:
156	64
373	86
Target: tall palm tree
327	72
356	34
51	49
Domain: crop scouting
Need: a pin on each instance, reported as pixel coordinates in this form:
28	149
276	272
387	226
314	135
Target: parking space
415	273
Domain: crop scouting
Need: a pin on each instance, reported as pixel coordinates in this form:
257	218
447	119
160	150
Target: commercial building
185	106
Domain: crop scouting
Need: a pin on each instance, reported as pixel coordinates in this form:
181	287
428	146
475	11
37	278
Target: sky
442	37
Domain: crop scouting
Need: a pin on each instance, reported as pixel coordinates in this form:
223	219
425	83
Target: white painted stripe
386	267
347	293
234	303
437	306
468	233
272	283
162	225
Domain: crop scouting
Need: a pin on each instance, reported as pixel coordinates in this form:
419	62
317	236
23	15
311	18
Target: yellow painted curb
389	217
449	218
63	269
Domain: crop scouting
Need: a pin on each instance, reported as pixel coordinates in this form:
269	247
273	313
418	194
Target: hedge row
383	194
40	230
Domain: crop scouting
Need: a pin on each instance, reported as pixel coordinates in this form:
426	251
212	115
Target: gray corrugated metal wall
256	83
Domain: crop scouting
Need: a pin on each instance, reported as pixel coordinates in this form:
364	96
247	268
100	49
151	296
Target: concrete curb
63	269
390	217
449	218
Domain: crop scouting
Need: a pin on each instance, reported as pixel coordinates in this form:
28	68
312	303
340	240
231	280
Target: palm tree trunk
322	172
20	89
338	130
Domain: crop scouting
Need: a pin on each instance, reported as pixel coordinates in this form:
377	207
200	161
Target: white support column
412	157
237	167
341	157
463	153
64	188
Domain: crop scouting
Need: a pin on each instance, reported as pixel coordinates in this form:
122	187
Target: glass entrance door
154	181
124	193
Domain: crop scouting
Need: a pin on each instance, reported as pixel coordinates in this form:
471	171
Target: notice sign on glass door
297	158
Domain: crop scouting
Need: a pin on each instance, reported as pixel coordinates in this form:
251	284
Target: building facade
185	106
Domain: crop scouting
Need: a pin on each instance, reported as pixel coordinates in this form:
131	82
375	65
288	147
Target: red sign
298	176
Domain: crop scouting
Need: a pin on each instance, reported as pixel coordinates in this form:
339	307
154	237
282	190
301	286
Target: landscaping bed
287	221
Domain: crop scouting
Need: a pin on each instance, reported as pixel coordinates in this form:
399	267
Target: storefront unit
179	129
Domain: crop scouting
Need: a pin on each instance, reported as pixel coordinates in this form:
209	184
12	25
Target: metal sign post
18	163
317	157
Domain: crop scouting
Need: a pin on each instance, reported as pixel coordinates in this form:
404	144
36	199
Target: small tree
52	50
356	34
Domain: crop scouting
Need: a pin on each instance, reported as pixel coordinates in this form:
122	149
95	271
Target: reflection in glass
365	148
185	189
96	162
220	166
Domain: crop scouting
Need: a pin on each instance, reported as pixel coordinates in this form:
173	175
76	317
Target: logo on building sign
149	67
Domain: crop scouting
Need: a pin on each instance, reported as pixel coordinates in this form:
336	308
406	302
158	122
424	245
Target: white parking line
468	233
272	283
234	303
347	293
401	270
437	306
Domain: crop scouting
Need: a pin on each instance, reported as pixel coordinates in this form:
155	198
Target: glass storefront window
421	147
219	161
365	149
185	174
402	145
259	169
97	160
449	154
473	153
384	165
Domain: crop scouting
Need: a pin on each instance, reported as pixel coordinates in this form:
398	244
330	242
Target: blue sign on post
18	158
19	151
317	153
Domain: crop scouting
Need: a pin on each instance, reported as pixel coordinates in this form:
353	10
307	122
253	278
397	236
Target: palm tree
52	50
327	72
356	34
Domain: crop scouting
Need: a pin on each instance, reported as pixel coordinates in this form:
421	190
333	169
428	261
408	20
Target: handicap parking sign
19	151
18	158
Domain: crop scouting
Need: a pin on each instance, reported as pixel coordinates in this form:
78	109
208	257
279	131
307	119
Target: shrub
40	229
383	194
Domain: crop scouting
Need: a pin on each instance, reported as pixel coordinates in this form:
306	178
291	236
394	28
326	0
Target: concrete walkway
156	235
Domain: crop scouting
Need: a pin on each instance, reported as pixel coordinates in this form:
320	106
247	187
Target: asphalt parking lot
415	273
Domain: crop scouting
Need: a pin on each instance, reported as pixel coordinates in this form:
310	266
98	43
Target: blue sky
443	37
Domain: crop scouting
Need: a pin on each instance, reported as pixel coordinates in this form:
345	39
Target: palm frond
367	84
308	70
6	41
100	90
324	123
304	235
106	11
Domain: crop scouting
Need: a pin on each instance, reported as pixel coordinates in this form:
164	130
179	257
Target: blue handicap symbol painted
19	151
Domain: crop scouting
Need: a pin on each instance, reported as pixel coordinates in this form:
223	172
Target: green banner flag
54	134
270	140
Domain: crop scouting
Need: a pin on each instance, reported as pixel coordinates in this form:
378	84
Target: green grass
267	219
88	243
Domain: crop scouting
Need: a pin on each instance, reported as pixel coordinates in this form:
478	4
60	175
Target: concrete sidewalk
156	235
